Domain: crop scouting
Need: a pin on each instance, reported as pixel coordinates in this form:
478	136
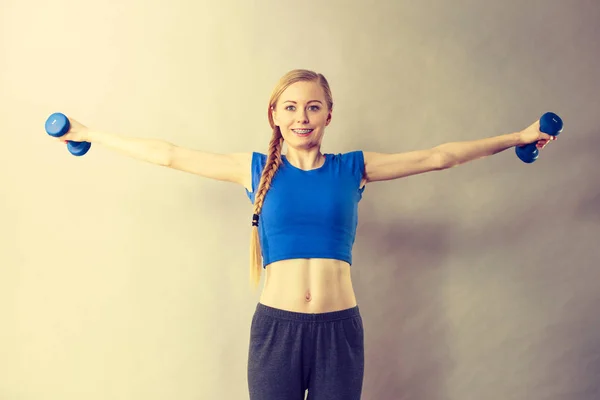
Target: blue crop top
310	214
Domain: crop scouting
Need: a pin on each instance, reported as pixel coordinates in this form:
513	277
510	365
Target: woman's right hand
77	133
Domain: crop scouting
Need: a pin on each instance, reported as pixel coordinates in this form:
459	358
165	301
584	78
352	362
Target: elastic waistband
317	317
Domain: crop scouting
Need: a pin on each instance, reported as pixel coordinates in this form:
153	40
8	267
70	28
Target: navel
308	296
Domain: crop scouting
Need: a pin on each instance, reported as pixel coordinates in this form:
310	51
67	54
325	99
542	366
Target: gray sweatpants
291	352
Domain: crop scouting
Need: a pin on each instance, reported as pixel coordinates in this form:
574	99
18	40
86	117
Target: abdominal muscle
308	286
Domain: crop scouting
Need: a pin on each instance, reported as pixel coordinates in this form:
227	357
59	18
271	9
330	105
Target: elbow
168	155
443	160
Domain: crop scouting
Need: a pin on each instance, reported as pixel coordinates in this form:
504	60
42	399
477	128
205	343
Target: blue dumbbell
57	125
551	124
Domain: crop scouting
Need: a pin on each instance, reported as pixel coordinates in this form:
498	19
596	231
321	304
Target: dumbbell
57	125
551	124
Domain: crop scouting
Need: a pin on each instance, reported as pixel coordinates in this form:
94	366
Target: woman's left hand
533	134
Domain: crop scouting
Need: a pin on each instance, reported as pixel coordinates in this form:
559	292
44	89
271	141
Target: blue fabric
310	214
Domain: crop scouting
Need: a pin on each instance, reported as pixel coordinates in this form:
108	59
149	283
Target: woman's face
302	114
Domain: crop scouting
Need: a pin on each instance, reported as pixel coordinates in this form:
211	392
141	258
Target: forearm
456	153
150	150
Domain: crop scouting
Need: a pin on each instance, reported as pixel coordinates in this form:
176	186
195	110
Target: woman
307	331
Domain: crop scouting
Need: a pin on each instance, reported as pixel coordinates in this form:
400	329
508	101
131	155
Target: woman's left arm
383	166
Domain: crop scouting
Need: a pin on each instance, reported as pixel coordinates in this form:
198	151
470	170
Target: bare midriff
312	285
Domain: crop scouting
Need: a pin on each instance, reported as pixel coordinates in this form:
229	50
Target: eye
312	108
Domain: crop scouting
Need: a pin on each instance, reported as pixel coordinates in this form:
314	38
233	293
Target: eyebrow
291	101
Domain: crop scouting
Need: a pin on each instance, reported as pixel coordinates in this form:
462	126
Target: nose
302	117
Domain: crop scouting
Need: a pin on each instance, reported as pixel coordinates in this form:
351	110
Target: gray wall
122	280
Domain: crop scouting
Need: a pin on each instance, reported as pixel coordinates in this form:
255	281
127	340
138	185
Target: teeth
302	130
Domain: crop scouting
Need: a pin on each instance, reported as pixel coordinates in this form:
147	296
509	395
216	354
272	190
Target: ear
274	114
328	118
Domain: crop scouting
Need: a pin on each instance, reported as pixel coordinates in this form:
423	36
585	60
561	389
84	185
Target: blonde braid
274	159
272	165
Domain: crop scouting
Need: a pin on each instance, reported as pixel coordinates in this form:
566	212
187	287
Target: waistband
316	317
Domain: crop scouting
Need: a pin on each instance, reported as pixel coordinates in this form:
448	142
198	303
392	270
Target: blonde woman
307	331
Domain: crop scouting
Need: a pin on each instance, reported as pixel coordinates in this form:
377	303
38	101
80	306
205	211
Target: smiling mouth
302	132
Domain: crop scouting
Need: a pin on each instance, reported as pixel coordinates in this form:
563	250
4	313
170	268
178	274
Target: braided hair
274	160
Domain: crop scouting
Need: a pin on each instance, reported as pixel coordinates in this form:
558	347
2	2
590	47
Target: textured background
125	281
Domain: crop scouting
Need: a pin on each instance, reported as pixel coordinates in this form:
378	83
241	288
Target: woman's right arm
233	167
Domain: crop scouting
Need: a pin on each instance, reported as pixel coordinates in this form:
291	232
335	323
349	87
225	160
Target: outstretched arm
382	166
232	167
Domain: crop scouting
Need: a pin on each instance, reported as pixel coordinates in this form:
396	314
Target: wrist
514	139
91	136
